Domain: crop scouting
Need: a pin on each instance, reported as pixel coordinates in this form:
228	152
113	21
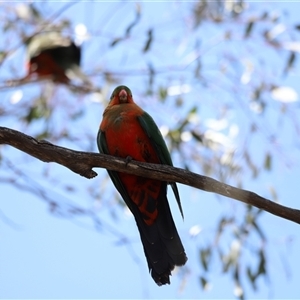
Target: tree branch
83	163
83	88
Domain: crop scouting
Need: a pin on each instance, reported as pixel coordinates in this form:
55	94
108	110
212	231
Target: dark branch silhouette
83	163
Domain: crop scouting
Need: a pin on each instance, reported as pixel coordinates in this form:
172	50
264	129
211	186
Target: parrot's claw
128	160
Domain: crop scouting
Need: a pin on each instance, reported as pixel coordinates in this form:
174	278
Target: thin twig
23	81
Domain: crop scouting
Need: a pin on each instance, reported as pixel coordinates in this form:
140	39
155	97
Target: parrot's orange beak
123	96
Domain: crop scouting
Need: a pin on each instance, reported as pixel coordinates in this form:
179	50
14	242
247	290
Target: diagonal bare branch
83	163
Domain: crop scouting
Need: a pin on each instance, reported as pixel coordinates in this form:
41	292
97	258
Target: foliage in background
213	75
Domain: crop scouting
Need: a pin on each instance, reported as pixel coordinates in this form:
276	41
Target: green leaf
34	113
273	193
193	110
35	12
162	93
151	78
205	255
250	164
135	21
265	15
251	277
249	28
262	264
149	40
268	162
237	273
43	135
179	101
290	62
203	282
2	56
116	41
226	263
198	137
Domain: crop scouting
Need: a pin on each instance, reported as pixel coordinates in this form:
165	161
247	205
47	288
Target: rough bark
83	163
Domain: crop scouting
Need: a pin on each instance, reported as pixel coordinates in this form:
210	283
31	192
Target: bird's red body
50	55
129	132
132	142
45	66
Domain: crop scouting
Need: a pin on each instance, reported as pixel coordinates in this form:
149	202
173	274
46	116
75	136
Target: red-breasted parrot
129	132
52	55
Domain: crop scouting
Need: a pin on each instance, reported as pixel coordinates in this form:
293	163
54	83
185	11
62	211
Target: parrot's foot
128	160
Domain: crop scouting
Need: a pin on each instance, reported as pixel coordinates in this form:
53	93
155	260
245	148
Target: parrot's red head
121	95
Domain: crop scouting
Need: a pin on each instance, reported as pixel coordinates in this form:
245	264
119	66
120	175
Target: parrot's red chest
44	65
125	137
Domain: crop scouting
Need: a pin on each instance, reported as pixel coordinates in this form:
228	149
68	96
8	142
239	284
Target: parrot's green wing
102	146
160	147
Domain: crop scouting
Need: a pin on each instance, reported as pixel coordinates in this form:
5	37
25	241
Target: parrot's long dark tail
162	244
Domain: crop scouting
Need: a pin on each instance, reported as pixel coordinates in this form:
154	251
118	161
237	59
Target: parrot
51	54
127	131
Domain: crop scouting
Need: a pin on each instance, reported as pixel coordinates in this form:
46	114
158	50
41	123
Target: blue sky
47	256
